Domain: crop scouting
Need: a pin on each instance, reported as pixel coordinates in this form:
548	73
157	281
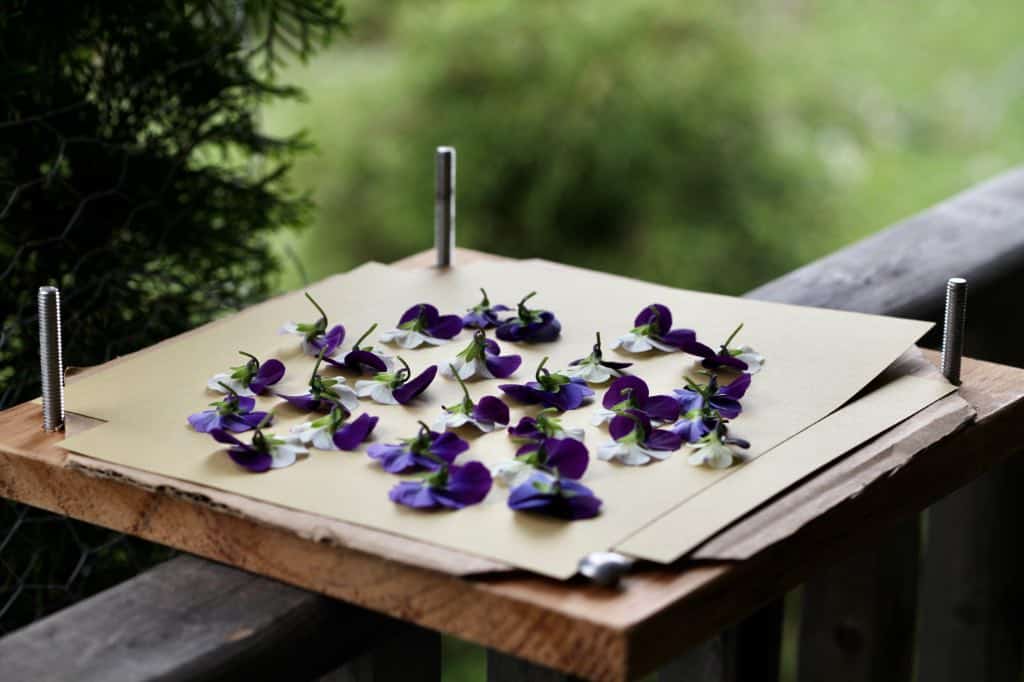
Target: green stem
597	346
316	305
362	338
405	368
316	367
465	391
231	391
252	358
540	368
486	302
732	336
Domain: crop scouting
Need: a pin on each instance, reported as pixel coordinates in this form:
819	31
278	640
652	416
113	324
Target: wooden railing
950	611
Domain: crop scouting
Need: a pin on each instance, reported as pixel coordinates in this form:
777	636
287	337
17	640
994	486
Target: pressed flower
543	493
426	451
396	388
234	413
487	414
422	324
635	442
652	328
566	457
324	393
450	486
632	393
363	358
714	400
594	369
334	432
532	326
483	315
317	339
482	359
265	452
532	430
741	359
248	379
550	389
715	449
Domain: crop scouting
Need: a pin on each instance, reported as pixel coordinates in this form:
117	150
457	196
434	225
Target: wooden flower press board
817	360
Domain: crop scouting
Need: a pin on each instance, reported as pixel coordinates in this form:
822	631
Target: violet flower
396	388
324	393
546	494
331	432
234	413
248	379
551	390
632	393
594	368
635	442
741	359
426	451
483	315
532	430
714	400
652	328
566	457
487	414
532	326
715	449
317	339
482	359
451	486
361	358
422	324
264	453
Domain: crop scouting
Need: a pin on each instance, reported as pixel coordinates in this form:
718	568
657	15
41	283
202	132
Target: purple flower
361	359
451	486
331	432
652	328
711	399
635	442
741	359
423	324
324	393
483	315
551	390
264	453
530	430
594	368
566	457
532	326
715	449
546	494
426	451
632	393
396	388
487	414
248	379
482	359
316	338
234	413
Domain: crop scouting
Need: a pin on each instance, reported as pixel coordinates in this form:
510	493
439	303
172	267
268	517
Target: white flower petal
285	454
634	343
365	387
324	440
663	347
290	328
602	415
234	384
392	334
348	398
609	451
575	434
754	360
449	420
381	393
511	473
635	456
714	455
483	424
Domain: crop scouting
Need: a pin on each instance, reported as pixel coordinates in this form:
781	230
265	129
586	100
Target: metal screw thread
51	358
444	206
953	328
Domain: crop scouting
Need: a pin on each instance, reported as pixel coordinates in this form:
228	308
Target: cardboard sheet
817	359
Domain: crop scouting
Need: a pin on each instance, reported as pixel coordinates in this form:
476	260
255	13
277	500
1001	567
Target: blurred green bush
632	137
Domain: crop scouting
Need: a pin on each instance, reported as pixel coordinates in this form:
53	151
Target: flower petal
412	388
412	494
491	409
205	421
448	446
393	458
269	373
631	387
502	366
349	436
467	484
664	440
569	456
662	407
251	459
658	316
446	327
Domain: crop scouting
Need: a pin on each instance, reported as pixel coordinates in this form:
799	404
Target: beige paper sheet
817	359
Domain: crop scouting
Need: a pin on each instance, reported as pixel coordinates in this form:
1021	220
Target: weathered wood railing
959	601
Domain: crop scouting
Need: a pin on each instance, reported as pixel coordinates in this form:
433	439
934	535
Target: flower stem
316	305
405	368
252	358
597	345
486	302
732	336
316	367
465	391
362	338
540	368
231	392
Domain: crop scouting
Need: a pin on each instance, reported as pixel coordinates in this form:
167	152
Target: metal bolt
444	206
605	568
953	329
51	358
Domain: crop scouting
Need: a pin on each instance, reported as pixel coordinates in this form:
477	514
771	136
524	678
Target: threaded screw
51	358
953	329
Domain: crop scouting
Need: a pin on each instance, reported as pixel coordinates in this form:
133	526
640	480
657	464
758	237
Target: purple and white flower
632	393
426	451
248	379
265	452
712	399
449	487
363	358
324	393
396	388
652	329
482	359
234	413
635	442
741	359
594	369
545	494
488	414
317	339
531	326
550	389
716	449
483	315
532	430
334	432
566	457
422	324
